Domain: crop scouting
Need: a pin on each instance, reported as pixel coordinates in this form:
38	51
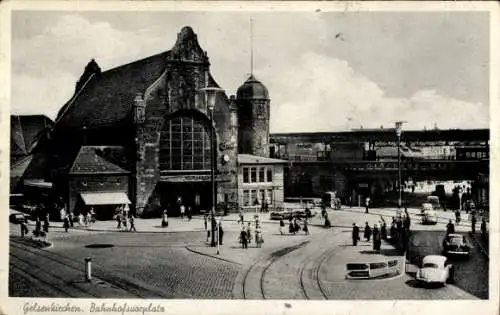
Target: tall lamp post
399	124
210	97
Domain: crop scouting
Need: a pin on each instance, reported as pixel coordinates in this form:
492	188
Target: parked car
434	201
429	217
435	269
17	218
456	244
426	207
283	214
470	206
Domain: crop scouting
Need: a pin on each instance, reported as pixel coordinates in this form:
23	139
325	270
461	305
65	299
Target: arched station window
184	144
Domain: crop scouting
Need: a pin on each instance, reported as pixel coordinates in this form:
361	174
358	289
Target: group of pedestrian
378	233
188	212
294	226
215	226
124	219
245	237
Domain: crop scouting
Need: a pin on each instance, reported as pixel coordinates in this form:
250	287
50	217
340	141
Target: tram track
114	279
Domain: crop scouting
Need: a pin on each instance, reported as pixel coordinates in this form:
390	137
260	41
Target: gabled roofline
72	100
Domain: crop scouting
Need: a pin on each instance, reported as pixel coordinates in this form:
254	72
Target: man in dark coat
368	232
473	223
243	237
376	237
66	223
24	227
355	234
383	229
483	229
450	228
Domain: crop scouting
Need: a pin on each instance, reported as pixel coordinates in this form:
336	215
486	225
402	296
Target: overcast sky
425	68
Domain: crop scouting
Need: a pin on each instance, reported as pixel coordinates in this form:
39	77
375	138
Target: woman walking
164	219
282	226
258	236
306	228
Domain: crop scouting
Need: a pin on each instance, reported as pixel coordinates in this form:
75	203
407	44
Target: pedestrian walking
305	227
124	221
205	220
327	221
473	223
132	223
89	217
24	227
383	228
183	209
296	226
450	228
243	237
367	204
189	213
376	238
66	223
92	215
71	218
355	234
46	224
407	221
38	226
258	237
80	219
483	229
249	233
368	232
457	217
282	226
119	220
221	233
241	218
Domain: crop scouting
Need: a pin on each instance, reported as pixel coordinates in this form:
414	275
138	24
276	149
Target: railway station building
140	134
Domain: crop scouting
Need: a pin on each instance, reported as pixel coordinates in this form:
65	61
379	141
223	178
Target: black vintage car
17	218
456	245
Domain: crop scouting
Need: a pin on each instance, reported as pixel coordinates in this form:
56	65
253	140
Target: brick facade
177	93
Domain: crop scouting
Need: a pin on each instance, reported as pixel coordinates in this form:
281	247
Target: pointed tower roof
252	89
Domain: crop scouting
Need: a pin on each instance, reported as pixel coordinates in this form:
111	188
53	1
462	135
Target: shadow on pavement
385	252
417	284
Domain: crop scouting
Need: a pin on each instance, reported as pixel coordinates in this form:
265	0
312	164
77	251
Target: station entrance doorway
197	195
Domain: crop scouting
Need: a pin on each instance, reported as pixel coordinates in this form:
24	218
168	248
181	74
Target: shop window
253	173
245	175
261	175
269	174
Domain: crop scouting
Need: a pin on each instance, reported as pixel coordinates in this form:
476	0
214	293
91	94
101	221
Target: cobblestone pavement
181	264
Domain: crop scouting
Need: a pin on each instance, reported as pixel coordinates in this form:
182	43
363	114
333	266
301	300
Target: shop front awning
38	183
111	198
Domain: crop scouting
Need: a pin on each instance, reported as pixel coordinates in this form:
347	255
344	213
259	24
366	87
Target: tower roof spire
251	46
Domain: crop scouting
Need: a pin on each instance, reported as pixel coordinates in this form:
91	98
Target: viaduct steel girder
417	170
467	135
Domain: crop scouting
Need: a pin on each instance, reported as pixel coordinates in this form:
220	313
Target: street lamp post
398	133
210	97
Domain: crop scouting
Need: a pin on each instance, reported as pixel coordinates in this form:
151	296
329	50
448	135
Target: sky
325	71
